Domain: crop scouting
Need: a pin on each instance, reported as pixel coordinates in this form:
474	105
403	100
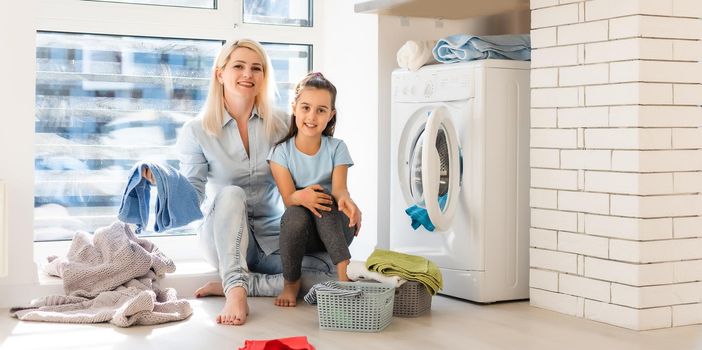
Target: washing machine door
434	167
440	168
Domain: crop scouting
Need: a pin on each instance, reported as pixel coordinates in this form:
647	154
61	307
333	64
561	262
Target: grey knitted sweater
111	276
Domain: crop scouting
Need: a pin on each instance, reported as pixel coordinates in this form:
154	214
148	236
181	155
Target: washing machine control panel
433	86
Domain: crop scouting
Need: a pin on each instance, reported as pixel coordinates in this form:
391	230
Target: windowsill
189	275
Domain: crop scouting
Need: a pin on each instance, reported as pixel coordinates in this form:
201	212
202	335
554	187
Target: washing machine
460	155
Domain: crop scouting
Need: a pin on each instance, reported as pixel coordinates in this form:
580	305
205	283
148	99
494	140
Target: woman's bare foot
289	295
210	288
235	308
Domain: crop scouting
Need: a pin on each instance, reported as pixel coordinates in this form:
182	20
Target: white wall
616	155
17	144
350	50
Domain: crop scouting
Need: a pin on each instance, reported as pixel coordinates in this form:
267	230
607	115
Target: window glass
104	102
280	12
290	62
206	4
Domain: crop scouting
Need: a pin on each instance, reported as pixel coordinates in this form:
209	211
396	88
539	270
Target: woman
223	154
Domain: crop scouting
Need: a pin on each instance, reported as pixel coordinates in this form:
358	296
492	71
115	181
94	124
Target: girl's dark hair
314	80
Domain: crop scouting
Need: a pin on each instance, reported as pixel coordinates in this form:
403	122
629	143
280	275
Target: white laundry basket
369	312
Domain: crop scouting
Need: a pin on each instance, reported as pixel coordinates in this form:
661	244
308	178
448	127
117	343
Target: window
280	12
290	63
104	101
205	4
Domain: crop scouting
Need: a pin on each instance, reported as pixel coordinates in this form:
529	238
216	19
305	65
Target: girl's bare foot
341	271
289	295
235	308
210	288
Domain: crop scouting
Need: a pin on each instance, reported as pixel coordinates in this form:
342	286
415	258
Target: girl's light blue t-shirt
309	170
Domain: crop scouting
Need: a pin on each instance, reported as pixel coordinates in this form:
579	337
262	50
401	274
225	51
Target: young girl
310	167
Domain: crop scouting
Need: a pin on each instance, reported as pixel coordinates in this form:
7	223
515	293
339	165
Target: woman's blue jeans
228	244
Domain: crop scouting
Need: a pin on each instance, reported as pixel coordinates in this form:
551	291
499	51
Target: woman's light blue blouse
211	163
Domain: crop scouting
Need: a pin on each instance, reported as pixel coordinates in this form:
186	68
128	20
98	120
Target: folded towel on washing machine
420	216
416	53
408	266
466	47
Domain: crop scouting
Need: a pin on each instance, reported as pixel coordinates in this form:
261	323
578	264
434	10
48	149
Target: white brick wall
655	116
690	138
541	198
559	302
629	273
628	49
616	158
654	27
655	206
583	117
560	179
687	271
554	219
627	94
584	287
657	161
635	228
686	50
553	260
629	183
553	16
655	71
627	138
687	227
583	244
543	279
628	317
605	9
687	94
684	315
656	296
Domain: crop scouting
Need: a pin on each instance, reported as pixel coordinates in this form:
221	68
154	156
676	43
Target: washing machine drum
415	171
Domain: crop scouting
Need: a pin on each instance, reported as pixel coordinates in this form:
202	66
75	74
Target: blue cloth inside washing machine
420	216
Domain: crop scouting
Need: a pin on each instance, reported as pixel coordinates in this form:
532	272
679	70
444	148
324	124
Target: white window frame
223	23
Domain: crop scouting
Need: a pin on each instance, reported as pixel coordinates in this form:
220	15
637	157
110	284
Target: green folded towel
407	266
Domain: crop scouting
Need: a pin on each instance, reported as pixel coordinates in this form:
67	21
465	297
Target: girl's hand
148	175
313	198
348	207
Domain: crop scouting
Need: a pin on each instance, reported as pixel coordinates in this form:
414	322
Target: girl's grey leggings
302	232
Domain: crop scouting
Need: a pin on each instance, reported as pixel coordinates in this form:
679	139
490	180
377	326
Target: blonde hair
213	111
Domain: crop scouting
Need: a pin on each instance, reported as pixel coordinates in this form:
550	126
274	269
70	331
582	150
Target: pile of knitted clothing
111	276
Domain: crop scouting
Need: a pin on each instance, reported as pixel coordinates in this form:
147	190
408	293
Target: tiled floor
452	324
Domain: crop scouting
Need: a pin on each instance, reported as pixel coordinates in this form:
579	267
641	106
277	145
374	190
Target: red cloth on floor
292	343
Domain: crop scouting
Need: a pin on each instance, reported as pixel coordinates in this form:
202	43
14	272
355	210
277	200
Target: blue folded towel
420	216
465	47
176	201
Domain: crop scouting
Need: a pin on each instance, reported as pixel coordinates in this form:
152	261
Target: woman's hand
313	198
148	175
348	207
